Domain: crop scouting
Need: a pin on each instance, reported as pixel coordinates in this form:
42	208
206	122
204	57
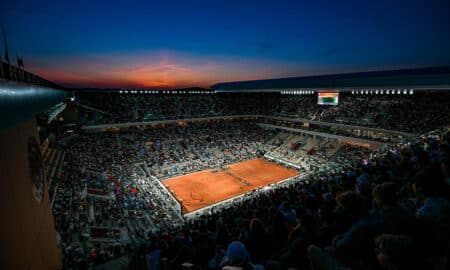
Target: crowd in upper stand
143	108
411	113
398	112
297	106
149	108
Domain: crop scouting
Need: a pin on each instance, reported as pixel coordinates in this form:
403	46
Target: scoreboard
328	98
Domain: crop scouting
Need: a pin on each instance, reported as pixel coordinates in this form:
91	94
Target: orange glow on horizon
160	70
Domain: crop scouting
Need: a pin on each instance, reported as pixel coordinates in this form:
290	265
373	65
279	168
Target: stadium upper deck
419	79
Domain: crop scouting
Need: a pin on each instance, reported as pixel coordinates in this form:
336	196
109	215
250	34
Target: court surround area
201	189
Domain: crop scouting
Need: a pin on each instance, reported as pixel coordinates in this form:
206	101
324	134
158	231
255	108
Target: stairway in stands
53	160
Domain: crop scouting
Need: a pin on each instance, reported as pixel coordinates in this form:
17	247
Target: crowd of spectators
180	149
377	135
108	194
115	108
384	209
305	152
297	106
344	217
409	113
100	204
389	210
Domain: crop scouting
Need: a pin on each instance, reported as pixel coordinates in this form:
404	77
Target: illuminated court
201	189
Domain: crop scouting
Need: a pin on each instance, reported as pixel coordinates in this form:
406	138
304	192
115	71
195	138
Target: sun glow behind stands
328	98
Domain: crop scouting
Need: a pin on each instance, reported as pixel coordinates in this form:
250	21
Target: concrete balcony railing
9	72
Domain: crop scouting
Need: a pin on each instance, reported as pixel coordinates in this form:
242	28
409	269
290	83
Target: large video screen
328	98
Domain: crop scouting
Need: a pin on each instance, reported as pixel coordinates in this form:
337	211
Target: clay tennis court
197	190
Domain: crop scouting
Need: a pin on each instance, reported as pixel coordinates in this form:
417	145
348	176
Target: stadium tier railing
282	161
9	72
342	139
320	123
106	127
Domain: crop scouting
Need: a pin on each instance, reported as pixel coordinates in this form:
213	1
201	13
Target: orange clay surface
197	190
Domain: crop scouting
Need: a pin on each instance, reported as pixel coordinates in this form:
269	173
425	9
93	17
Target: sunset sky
172	44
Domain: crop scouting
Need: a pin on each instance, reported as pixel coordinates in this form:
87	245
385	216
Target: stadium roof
418	78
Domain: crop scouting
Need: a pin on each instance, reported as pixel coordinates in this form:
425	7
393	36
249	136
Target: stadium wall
173	202
27	234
